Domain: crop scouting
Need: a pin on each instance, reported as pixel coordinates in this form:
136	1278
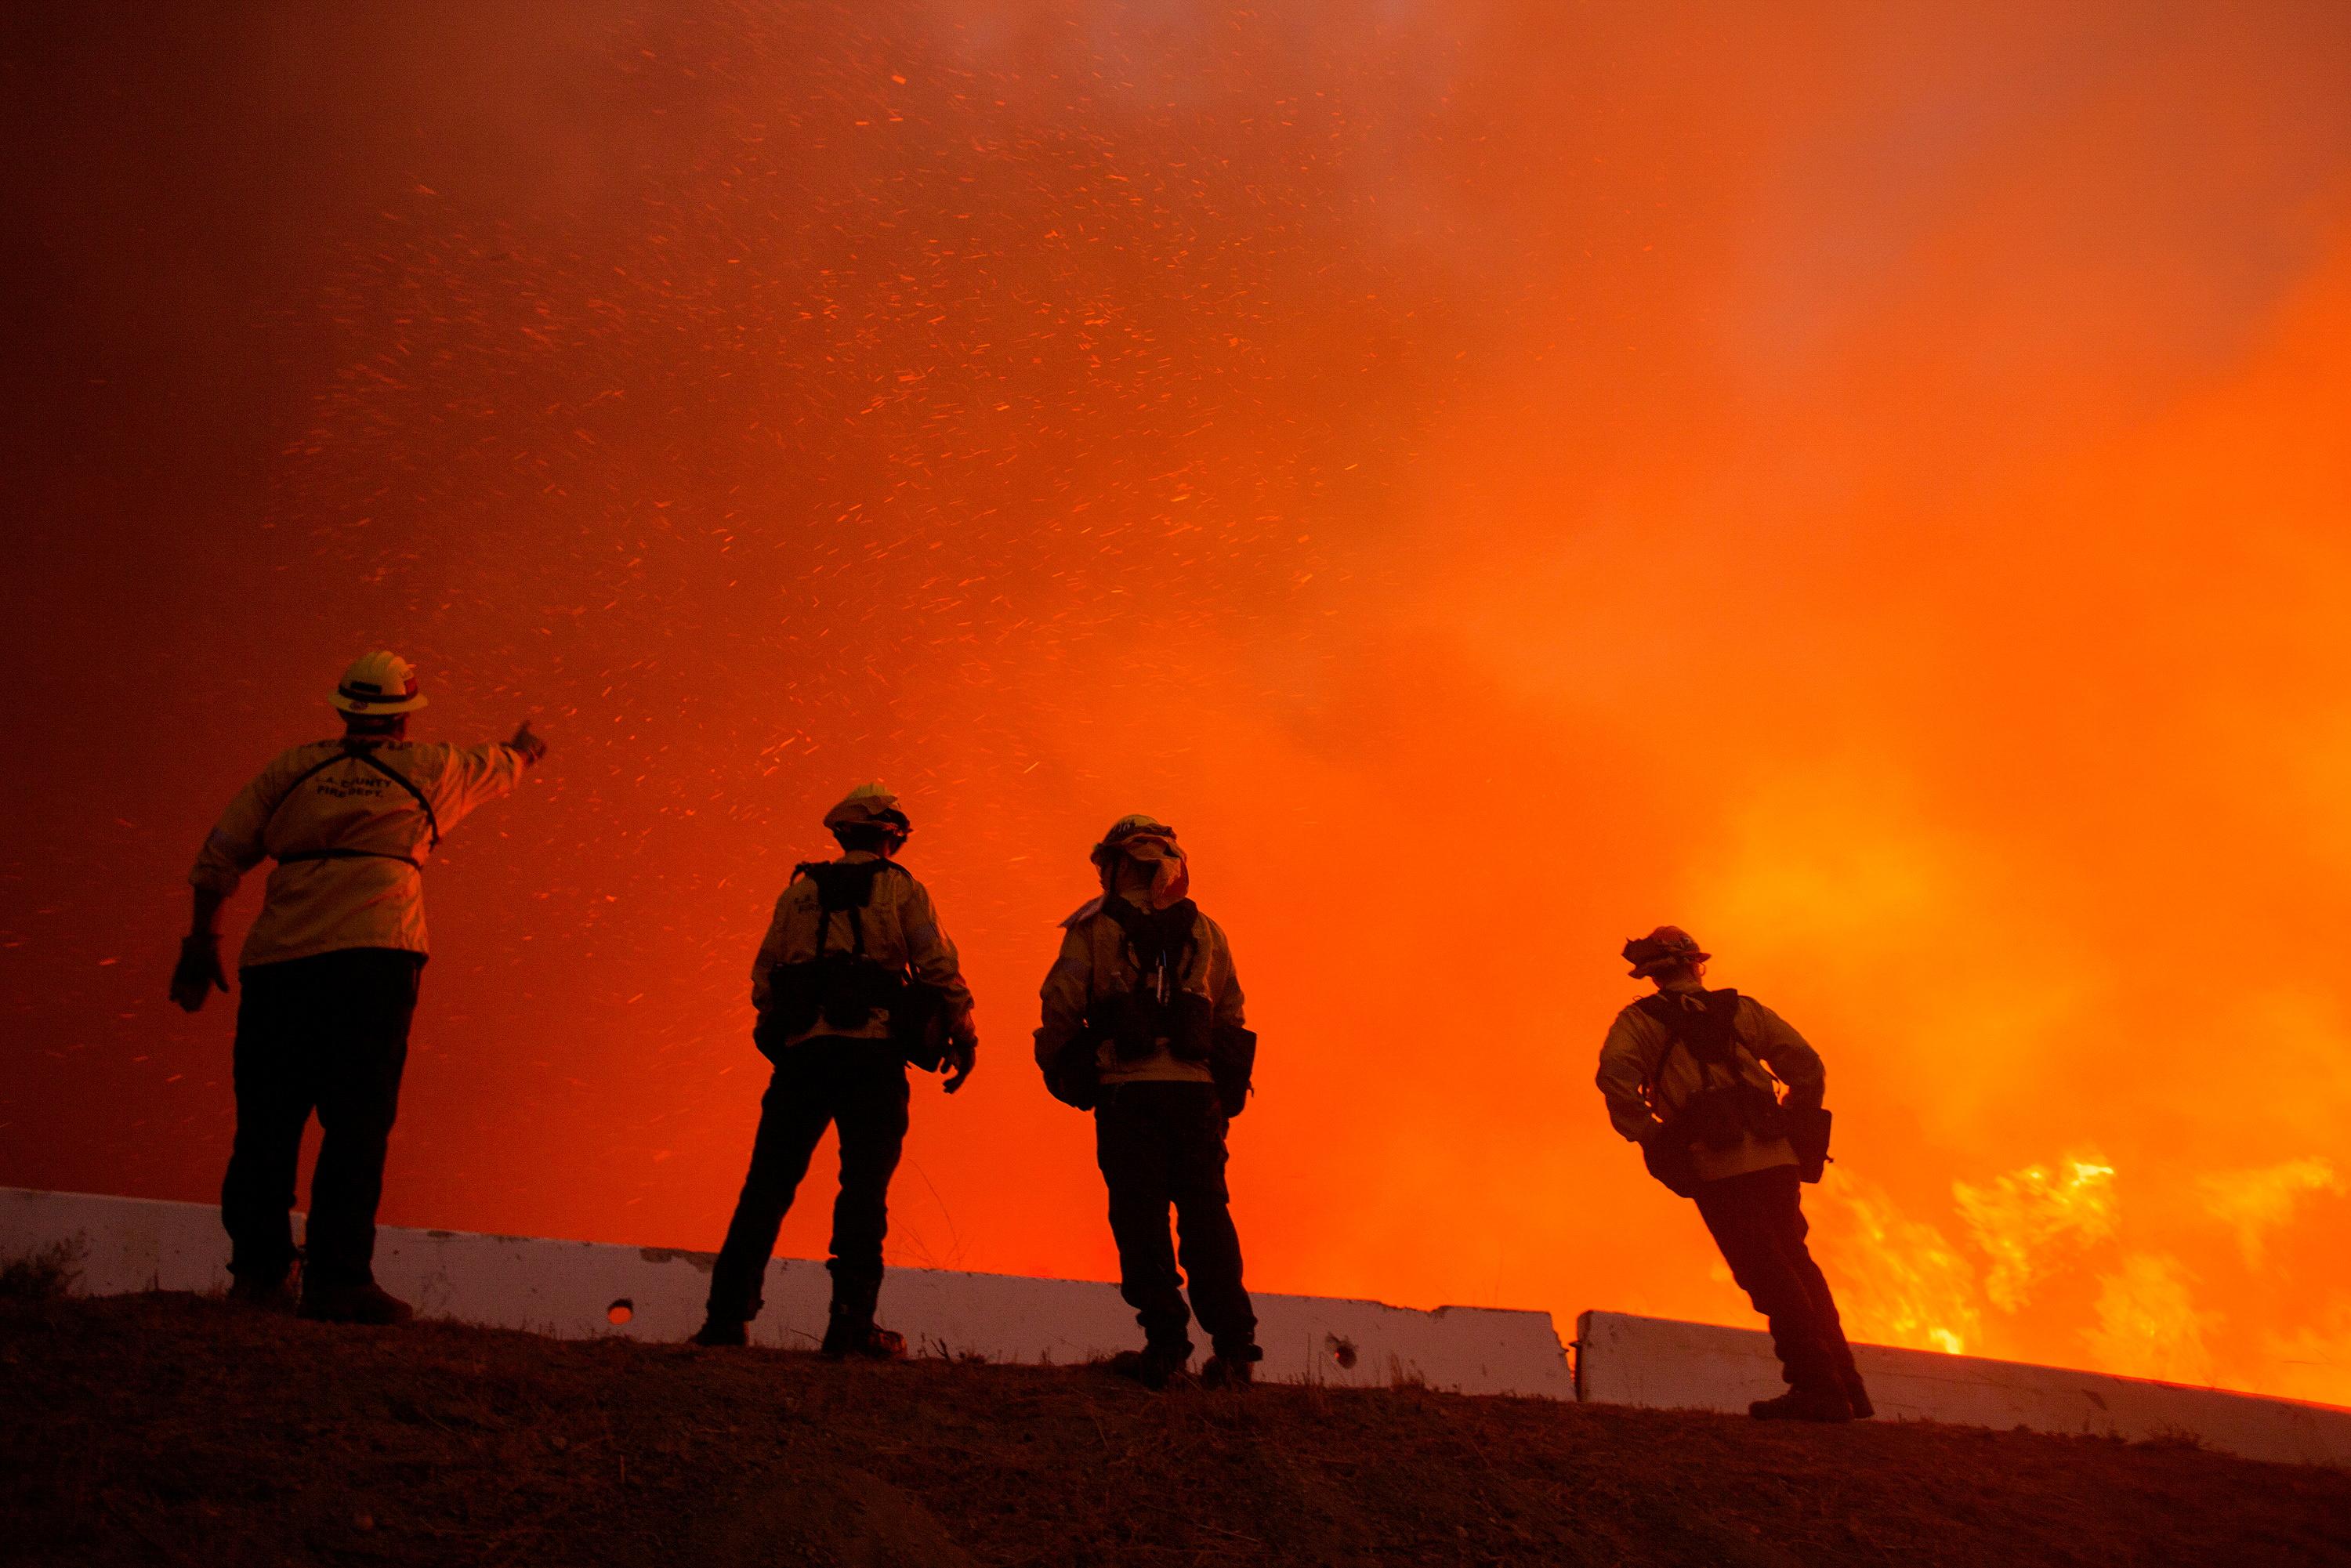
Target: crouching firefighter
330	973
854	981
1143	1027
1689	1074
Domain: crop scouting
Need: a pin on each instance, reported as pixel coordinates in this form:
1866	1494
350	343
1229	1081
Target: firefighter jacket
349	836
1647	1078
901	930
1097	965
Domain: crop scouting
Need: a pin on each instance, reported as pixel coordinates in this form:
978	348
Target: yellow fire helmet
869	804
378	683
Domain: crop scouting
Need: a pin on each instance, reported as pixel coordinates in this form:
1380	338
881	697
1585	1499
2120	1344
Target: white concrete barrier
1665	1364
576	1290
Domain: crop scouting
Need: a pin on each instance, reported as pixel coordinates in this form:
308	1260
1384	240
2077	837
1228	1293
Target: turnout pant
860	1086
326	1034
1758	1220
1163	1143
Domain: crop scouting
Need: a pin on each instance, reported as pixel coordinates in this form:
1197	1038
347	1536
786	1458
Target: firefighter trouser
1758	1220
326	1034
1163	1143
860	1086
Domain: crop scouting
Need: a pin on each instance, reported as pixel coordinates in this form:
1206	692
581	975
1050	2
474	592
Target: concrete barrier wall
569	1290
1665	1364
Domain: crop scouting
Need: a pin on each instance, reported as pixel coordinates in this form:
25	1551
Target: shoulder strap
348	752
299	779
1711	1035
844	887
367	755
809	869
1168	929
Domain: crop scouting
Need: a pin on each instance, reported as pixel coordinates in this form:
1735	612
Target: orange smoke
1866	485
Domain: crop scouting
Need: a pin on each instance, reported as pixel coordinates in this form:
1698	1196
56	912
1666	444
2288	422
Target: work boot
849	1329
363	1304
269	1293
849	1333
1858	1397
716	1331
1825	1403
1153	1366
1234	1373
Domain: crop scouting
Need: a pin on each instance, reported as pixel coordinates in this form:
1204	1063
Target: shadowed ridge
173	1426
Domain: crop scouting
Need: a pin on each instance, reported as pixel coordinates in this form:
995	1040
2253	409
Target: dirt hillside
169	1428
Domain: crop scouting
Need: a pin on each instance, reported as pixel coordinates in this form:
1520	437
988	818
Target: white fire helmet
378	683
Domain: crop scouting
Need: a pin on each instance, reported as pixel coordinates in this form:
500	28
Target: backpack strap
1168	932
1710	1034
364	754
823	913
844	887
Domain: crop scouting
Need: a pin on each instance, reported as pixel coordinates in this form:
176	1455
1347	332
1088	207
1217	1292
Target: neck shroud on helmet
1142	852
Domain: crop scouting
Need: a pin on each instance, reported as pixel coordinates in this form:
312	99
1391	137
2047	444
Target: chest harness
364	754
1160	944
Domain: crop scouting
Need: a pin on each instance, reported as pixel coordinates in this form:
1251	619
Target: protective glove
531	747
961	1056
199	972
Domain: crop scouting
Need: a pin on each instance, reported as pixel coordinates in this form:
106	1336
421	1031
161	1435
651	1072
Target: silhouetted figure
1142	1026
330	973
1684	1075
854	980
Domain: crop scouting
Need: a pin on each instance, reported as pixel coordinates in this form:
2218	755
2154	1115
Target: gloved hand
199	972
531	747
961	1056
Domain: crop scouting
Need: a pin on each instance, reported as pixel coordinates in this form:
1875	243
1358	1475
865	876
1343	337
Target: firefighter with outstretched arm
329	976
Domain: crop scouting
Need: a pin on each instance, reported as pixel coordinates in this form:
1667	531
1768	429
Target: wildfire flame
2030	1221
2255	1203
1898	1280
2149	1324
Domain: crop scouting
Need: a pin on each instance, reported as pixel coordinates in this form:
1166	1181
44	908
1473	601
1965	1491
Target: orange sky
1867	487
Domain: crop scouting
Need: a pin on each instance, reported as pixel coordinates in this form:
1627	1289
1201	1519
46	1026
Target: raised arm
475	775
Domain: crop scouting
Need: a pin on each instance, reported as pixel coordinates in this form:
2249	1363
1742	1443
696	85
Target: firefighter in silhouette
330	972
854	981
1689	1075
1142	1026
